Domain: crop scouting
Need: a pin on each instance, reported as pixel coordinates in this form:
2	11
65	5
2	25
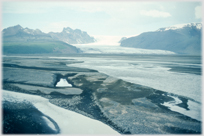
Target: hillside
182	39
19	40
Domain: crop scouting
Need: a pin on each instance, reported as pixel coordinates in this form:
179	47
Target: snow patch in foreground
63	83
69	122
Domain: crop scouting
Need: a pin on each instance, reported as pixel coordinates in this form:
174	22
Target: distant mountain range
71	36
181	39
19	40
18	33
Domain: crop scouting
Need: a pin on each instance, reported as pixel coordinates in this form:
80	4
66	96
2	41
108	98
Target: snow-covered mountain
182	39
71	36
18	33
181	26
68	35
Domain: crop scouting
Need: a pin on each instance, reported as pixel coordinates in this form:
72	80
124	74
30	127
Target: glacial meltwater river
177	74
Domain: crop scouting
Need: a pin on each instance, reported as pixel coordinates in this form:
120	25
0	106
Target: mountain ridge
19	40
67	35
183	39
71	36
180	26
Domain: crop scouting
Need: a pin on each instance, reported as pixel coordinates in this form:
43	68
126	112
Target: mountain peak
67	30
68	35
19	29
18	26
71	36
12	30
181	26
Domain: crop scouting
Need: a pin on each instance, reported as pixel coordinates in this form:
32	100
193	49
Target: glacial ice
92	49
152	74
193	112
147	73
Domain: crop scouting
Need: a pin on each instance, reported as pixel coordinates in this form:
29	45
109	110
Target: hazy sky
116	18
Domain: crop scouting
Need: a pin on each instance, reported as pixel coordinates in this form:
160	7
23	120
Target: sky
112	18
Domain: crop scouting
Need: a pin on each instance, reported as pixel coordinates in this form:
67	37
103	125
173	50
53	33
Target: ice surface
69	122
92	49
111	45
193	112
152	74
63	83
104	40
147	73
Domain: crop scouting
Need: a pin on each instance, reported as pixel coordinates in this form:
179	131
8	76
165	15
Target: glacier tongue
91	49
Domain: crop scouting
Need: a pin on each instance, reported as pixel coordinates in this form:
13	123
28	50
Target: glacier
111	45
105	49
